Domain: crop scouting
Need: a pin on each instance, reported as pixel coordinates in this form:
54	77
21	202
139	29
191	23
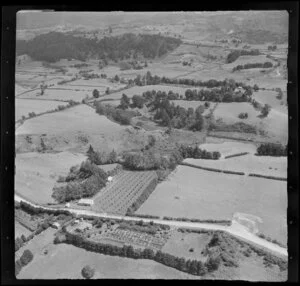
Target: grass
62	93
81	118
24	106
268	166
37	173
52	266
210	195
179	244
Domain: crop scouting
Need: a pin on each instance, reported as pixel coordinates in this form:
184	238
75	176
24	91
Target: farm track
235	229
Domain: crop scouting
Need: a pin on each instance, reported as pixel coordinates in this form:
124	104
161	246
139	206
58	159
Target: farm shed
85	202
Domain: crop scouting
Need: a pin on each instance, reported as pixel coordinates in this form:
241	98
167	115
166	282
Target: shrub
87	272
26	257
18	267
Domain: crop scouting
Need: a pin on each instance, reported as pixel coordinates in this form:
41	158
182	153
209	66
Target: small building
67	205
85	202
55	225
109	179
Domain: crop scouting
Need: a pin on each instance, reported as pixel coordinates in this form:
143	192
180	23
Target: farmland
125	189
107	267
66	65
37	173
195	193
79	118
23	106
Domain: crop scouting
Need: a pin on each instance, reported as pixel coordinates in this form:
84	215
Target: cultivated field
36	173
123	191
53	266
194	193
24	106
269	97
78	119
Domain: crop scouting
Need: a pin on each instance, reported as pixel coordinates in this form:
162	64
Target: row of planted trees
195	267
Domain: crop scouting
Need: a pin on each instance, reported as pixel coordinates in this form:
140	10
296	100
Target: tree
26	257
116	78
265	110
137	101
96	93
107	91
87	272
125	101
165	118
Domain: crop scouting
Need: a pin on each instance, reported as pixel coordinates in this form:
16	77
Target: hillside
53	46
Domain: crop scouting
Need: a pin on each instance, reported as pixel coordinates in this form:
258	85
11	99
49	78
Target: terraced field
123	191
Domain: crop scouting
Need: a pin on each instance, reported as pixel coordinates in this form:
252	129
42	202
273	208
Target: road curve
234	229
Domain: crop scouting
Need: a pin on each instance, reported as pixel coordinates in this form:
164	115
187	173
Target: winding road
234	229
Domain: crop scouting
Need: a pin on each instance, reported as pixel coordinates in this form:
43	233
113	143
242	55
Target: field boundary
267	177
212	169
236	155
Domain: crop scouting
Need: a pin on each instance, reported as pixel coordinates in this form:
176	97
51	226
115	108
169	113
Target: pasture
25	106
81	118
229	148
269	97
52	266
194	193
36	173
265	165
229	112
60	93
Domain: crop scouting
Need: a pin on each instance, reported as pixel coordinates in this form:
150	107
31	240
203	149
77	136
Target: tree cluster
264	65
197	153
82	183
234	55
270	149
120	115
272	48
243	115
101	158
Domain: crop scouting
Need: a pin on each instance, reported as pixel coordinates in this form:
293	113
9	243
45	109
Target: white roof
110	178
56	223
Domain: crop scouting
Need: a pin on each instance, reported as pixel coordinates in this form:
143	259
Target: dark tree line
269	149
253	65
234	55
195	267
197	153
148	79
53	46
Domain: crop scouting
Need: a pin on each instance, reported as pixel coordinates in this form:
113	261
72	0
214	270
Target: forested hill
54	46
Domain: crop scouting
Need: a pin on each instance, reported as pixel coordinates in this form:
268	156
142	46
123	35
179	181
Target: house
109	179
55	225
85	202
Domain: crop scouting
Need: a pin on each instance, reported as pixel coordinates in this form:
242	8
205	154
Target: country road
234	229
